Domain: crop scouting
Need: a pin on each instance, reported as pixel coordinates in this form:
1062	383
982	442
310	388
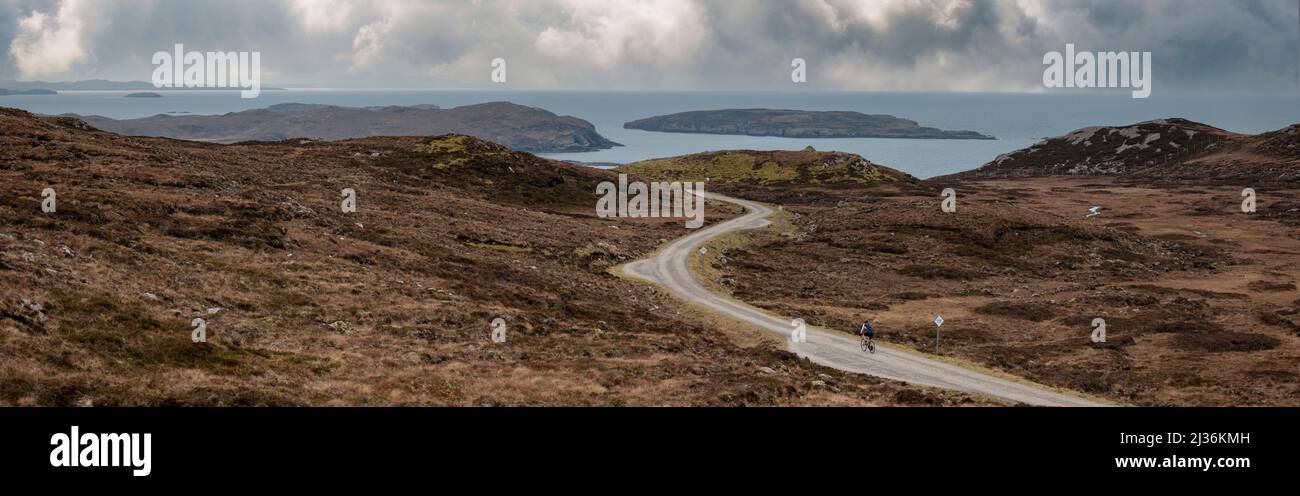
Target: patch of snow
1082	135
1130	132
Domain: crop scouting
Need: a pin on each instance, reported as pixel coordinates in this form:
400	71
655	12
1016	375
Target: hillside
767	168
1199	299
1166	149
390	305
775	175
521	128
796	124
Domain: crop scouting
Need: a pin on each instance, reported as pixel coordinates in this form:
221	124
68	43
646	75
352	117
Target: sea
1018	120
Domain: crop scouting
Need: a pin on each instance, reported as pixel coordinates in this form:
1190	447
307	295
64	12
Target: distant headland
92	85
32	91
519	127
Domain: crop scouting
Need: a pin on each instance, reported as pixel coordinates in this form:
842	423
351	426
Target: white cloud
324	15
48	45
608	34
368	45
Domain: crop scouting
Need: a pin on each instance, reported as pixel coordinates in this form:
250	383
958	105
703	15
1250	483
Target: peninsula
519	127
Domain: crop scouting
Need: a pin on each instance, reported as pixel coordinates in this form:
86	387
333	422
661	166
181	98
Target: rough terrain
390	305
671	268
1199	298
1163	150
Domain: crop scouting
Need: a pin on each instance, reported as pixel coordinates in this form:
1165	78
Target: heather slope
1159	150
390	305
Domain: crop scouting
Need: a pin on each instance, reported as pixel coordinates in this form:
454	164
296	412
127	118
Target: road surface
670	269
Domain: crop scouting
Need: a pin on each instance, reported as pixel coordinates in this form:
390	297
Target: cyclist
868	332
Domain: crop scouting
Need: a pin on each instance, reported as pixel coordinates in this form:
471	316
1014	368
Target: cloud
1239	45
607	35
323	16
963	45
368	45
890	44
49	44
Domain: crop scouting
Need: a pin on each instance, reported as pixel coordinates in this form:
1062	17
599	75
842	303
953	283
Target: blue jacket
867	329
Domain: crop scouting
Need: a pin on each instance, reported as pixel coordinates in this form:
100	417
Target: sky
1215	46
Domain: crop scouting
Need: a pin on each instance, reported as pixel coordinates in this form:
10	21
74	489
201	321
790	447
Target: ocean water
1016	119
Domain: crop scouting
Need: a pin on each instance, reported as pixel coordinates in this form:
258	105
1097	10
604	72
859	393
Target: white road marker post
938	323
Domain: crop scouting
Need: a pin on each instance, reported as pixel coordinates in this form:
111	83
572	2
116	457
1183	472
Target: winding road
670	269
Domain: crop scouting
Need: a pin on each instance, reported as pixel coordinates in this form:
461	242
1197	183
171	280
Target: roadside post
938	323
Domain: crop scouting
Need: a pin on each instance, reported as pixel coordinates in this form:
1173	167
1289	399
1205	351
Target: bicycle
868	345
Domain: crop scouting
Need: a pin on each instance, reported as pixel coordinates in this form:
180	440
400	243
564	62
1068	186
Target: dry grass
306	305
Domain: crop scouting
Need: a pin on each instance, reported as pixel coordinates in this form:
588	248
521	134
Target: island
33	91
143	94
526	129
796	124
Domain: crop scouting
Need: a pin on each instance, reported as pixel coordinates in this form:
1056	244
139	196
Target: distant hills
6	91
1165	148
519	127
796	124
95	85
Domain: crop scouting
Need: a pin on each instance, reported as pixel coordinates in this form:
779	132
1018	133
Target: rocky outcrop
1159	150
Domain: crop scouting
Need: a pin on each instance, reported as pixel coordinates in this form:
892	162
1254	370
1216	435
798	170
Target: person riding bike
868	332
